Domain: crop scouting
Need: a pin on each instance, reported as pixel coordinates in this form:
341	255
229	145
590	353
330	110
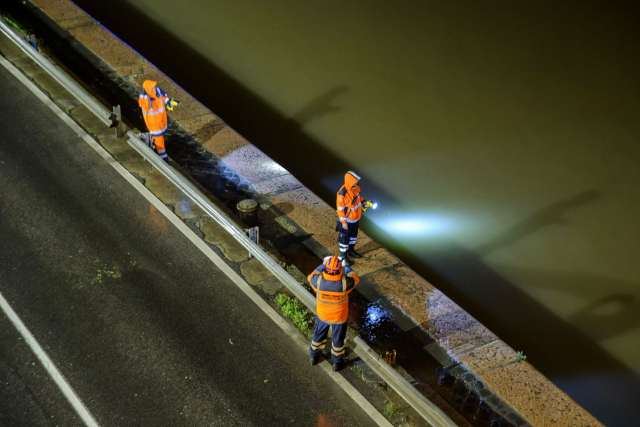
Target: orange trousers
159	143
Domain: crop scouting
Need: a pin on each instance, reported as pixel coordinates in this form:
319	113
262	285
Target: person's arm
341	209
351	284
143	102
360	198
316	273
163	96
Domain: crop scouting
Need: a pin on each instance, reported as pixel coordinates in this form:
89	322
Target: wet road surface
143	327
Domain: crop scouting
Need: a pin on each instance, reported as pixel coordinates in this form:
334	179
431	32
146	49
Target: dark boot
338	366
352	253
344	260
313	360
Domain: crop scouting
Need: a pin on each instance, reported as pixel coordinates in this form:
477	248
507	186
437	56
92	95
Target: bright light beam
415	225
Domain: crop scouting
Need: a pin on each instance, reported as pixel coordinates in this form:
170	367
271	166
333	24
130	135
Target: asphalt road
141	324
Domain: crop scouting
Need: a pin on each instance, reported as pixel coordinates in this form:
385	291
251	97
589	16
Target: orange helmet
333	265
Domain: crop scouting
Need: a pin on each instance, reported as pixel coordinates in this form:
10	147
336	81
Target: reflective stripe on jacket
332	294
348	201
152	100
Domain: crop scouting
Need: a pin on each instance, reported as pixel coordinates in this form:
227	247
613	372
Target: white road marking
48	365
293	333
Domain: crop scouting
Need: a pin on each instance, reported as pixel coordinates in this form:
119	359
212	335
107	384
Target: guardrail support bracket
253	233
31	39
116	121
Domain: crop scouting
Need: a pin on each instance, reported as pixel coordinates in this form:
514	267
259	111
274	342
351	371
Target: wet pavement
144	328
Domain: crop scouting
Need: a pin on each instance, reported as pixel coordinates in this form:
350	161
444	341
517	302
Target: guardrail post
116	121
31	39
253	233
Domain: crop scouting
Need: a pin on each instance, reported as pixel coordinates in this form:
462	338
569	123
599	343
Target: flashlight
369	204
172	103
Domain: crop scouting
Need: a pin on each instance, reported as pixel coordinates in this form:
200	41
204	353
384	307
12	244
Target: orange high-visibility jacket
152	100
349	202
332	294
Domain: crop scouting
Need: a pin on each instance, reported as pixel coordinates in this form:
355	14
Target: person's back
332	289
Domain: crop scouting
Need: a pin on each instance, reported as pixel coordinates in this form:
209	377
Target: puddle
376	324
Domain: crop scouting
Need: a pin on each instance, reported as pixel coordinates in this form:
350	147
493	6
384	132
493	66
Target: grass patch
13	24
521	356
359	373
391	409
302	318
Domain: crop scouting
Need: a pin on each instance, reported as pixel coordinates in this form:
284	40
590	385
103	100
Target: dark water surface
501	140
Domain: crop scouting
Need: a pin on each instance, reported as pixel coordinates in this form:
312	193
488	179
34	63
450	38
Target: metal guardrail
54	72
431	413
424	407
205	204
427	410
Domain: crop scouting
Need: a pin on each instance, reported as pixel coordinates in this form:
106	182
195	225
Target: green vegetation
289	269
521	356
359	372
99	276
13	24
302	318
391	409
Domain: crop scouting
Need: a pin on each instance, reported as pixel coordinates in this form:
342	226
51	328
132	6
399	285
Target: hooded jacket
152	100
349	202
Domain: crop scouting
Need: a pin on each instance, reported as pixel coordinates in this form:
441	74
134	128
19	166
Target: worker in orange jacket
332	289
154	102
350	206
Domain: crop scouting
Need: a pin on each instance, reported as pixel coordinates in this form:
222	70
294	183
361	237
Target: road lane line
62	384
293	333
